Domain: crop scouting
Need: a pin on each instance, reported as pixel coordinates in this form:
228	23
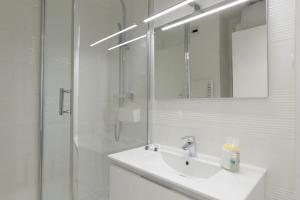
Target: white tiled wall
19	98
265	127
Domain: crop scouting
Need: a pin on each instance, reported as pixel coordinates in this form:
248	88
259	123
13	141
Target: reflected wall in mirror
220	55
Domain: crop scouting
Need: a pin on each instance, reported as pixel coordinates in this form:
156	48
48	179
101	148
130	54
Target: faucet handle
189	138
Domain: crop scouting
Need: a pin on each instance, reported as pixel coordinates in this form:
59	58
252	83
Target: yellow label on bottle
231	147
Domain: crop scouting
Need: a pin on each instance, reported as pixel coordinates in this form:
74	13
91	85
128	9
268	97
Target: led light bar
171	9
130	41
115	34
207	13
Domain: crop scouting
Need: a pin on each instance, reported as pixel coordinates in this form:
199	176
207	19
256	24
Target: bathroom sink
190	167
199	177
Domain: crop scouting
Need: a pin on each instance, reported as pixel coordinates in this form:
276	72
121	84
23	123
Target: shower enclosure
88	91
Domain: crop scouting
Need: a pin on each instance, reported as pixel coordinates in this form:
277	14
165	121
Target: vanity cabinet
125	185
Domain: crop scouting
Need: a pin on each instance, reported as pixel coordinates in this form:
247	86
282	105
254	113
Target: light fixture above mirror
204	14
168	10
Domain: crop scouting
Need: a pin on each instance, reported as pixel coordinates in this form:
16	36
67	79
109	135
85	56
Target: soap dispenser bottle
235	160
231	155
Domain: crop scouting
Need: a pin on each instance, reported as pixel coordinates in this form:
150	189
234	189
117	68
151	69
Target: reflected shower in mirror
219	55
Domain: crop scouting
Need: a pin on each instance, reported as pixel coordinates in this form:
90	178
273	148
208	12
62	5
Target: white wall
250	62
297	65
265	127
19	98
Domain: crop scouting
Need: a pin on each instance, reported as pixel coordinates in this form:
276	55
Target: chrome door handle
62	92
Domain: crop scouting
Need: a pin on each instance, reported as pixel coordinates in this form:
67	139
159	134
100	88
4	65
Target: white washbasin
190	167
200	177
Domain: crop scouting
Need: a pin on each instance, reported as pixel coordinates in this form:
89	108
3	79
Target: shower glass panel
112	90
56	166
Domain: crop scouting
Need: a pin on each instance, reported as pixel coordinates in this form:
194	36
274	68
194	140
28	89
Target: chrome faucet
190	145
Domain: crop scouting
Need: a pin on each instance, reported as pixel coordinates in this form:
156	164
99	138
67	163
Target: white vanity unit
170	174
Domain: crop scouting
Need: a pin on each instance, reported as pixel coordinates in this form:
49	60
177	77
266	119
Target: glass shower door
56	168
110	82
106	84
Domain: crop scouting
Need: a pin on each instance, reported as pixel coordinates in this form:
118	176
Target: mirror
223	55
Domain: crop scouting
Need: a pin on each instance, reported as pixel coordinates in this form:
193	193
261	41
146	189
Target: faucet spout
187	146
190	145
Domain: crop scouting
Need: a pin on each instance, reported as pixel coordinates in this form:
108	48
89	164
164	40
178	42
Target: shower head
119	26
196	6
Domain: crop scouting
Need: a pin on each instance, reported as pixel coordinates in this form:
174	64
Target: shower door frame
74	73
41	100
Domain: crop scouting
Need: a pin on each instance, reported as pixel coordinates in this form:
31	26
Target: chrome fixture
187	41
152	147
62	92
196	6
121	92
190	145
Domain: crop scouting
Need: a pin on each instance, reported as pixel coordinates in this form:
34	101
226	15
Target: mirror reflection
220	55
